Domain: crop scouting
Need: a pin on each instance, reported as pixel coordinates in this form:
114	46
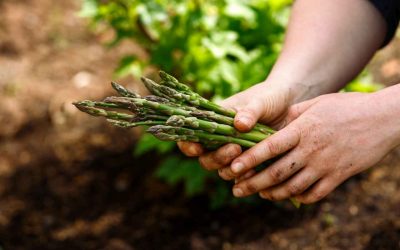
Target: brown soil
68	183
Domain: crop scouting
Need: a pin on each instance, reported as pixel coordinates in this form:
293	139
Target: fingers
295	111
275	145
221	157
246	176
272	175
191	149
227	174
319	191
293	187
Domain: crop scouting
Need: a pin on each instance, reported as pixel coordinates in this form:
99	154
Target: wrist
295	89
386	105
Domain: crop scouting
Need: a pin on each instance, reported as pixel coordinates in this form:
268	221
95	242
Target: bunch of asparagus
174	113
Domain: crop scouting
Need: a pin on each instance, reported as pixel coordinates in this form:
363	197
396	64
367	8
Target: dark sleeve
390	10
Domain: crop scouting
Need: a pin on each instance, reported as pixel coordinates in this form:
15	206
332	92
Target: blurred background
68	181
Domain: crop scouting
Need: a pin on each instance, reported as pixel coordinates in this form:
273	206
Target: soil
68	183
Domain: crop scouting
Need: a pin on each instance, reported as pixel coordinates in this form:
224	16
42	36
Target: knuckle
218	157
294	189
272	147
252	160
251	187
276	174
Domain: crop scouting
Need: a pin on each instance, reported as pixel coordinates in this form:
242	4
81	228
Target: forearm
327	44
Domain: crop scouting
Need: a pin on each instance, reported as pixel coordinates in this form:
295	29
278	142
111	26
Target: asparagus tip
84	106
123	91
115	85
89	108
176	120
162	74
155	129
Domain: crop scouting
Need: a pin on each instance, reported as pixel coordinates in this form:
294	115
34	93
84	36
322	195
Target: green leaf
129	65
239	9
176	170
149	143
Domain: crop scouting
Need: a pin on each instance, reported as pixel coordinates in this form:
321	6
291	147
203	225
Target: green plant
218	47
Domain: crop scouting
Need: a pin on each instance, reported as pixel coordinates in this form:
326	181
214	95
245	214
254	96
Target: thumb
247	116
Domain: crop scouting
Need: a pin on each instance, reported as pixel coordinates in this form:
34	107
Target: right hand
262	103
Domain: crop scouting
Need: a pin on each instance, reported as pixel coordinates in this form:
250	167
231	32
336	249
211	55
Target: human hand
333	138
262	102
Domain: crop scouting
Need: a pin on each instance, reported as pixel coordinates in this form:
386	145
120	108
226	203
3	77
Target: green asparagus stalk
90	108
125	124
185	96
172	82
213	127
169	133
123	91
168	102
168	109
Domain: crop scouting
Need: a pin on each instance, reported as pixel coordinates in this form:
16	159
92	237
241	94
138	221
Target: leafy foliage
221	46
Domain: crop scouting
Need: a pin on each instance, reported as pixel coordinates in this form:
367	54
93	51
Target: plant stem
170	133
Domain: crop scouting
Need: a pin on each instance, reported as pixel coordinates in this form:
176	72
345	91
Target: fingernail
237	167
245	121
238	192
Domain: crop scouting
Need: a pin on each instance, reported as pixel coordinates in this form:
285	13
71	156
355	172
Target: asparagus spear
172	109
89	107
172	82
185	96
168	109
123	91
213	127
92	108
169	133
125	124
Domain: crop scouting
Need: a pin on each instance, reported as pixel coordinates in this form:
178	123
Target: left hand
328	139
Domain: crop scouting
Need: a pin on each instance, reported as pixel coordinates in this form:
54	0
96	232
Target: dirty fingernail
238	192
237	167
